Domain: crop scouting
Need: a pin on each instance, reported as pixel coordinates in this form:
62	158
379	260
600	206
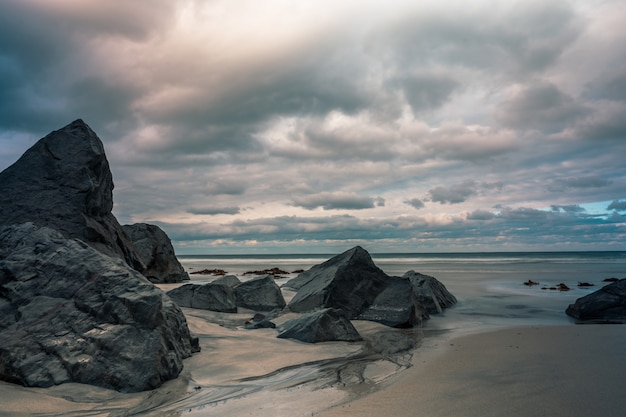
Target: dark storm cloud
617	205
212	211
337	201
415	203
541	106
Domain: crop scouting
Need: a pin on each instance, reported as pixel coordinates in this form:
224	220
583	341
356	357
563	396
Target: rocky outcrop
230	280
156	252
259	294
320	326
430	292
64	182
212	296
70	313
607	305
349	281
396	306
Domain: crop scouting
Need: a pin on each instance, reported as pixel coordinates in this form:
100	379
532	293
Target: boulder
260	294
212	296
157	253
608	304
230	280
430	292
64	182
396	306
69	313
320	326
349	281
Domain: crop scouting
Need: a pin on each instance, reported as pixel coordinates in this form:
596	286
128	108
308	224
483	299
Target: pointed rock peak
356	254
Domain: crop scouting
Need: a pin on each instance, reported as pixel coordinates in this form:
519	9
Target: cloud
617	205
573	208
454	194
415	203
337	201
211	211
563	184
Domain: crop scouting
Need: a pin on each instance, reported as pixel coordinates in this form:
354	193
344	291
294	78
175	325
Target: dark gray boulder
430	292
69	313
608	304
320	326
212	296
259	294
64	182
349	281
396	306
157	253
230	280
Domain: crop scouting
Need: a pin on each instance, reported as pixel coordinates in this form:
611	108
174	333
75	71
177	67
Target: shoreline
565	370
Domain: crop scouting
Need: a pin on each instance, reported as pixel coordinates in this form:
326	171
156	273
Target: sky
283	126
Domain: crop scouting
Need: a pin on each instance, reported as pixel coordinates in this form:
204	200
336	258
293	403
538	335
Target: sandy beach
571	371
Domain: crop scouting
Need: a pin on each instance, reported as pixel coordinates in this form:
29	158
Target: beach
504	349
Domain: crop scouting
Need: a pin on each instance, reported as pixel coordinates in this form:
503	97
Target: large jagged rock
212	296
260	294
430	292
156	252
320	326
396	306
349	281
69	313
608	305
64	182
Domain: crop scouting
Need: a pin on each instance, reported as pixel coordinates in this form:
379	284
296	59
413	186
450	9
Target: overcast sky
312	126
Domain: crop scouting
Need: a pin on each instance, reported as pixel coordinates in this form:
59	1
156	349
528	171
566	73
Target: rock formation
70	313
349	281
73	306
156	252
259	294
212	296
608	304
320	326
230	280
63	182
429	292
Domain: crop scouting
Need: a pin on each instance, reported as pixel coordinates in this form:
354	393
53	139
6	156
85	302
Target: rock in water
320	326
156	252
212	296
349	281
69	313
608	304
429	292
64	182
260	294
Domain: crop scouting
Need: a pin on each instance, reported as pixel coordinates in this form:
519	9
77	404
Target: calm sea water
489	286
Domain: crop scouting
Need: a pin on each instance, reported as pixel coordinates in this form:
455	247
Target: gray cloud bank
310	126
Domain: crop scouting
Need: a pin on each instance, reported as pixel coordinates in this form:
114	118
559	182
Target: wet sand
568	371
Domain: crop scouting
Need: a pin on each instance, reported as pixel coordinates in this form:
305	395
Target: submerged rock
64	182
349	281
608	304
69	313
320	326
212	296
156	252
259	294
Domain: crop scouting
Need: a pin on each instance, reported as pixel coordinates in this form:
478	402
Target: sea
491	287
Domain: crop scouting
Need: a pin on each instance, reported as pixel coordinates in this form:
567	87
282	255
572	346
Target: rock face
70	313
429	292
396	306
608	304
64	182
212	296
230	280
259	294
349	281
320	326
156	252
